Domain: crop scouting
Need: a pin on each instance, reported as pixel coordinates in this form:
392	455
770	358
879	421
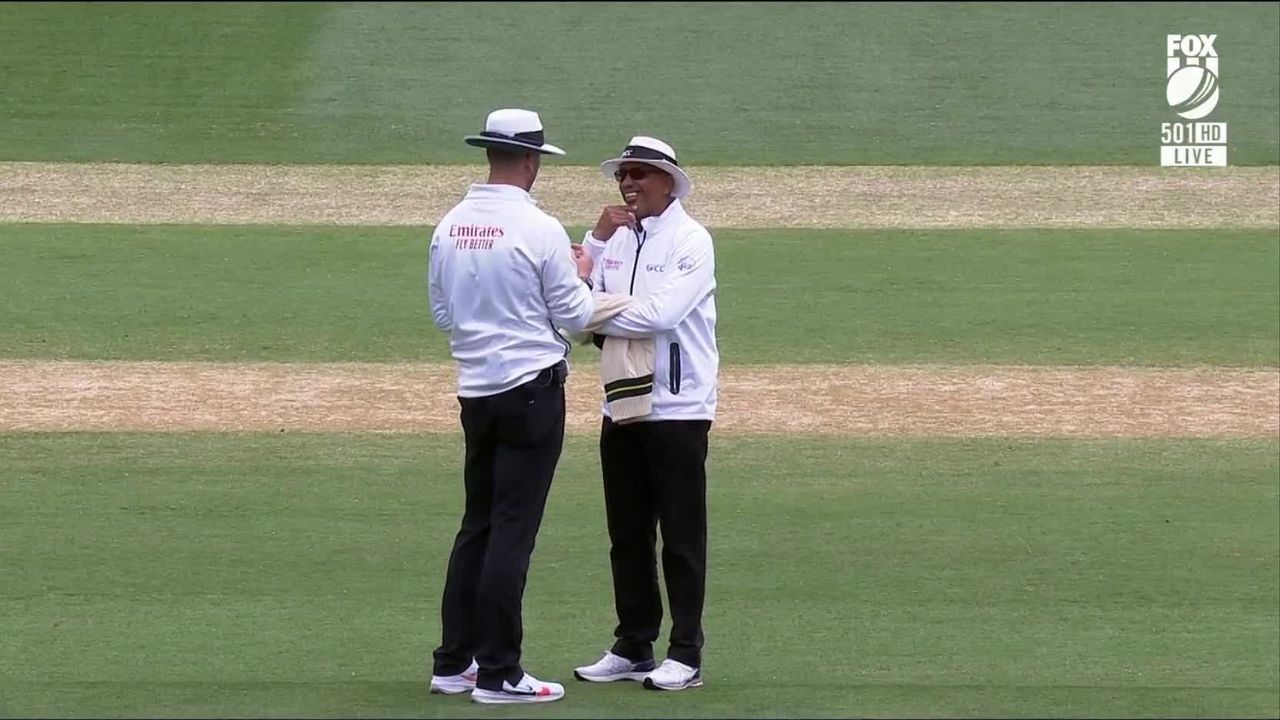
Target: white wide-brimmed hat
514	129
651	151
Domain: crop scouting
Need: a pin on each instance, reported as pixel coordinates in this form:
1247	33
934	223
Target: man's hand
613	217
582	259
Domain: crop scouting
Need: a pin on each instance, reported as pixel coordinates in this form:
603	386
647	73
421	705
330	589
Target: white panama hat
651	151
514	129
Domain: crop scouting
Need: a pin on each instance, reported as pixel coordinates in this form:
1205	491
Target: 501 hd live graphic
1191	87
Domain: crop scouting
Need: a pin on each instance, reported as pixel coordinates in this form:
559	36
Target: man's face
644	188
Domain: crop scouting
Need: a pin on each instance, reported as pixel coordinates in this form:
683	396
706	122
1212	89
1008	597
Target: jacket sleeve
691	280
595	248
597	268
436	292
568	299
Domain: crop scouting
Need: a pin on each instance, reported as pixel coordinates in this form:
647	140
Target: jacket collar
486	191
669	217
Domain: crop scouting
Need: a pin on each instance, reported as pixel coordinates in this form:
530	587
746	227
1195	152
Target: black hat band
536	138
645	153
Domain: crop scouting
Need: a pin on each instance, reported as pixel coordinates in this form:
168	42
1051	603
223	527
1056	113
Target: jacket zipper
568	348
640	238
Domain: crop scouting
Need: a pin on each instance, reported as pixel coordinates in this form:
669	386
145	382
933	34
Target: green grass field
346	294
299	575
296	575
738	83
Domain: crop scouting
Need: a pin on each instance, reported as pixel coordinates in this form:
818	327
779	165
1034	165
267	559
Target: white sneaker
672	675
455	684
612	668
529	690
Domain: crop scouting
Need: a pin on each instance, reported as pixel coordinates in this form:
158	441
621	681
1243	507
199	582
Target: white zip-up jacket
669	270
501	280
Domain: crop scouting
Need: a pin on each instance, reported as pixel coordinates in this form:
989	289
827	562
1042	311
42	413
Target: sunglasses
636	173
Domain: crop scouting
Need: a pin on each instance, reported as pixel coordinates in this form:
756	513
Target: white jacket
501	281
669	268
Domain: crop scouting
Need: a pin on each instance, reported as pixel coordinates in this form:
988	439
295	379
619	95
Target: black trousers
513	443
655	476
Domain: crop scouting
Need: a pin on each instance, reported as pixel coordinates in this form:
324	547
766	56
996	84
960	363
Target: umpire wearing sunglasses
654	467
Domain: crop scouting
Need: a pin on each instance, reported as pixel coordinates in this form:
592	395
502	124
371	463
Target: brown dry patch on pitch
729	197
1008	401
836	400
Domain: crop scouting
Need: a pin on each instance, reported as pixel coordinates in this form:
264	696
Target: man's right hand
582	259
612	218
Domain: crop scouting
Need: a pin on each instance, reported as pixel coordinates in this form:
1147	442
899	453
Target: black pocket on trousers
674	369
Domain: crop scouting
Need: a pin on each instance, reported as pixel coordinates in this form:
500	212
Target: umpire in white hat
654	466
501	281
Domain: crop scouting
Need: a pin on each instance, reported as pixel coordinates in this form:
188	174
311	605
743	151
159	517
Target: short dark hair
505	157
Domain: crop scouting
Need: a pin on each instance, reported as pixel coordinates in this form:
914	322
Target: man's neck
659	211
500	178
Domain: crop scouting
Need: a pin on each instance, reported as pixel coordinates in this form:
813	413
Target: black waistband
555	375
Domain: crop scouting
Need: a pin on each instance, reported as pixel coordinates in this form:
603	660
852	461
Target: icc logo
1192	70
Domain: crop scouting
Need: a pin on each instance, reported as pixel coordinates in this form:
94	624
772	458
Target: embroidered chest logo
686	263
612	264
654	267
